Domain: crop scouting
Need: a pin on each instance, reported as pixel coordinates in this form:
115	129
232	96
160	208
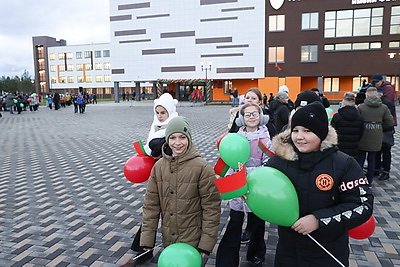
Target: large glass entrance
186	90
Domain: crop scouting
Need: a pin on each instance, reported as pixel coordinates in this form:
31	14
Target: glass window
358	22
61	67
80	79
88	66
53	68
70	67
329	47
309	21
376	45
52	56
276	23
88	54
79	66
360	46
276	54
53	80
228	87
97	54
89	79
99	66
331	84
60	55
343	47
394	44
78	55
106	53
70	79
99	78
309	53
69	55
107	66
107	78
63	79
395	20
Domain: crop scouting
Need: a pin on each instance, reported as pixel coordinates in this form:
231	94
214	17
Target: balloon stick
138	256
321	246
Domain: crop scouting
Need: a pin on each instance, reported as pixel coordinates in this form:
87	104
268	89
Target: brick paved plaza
64	200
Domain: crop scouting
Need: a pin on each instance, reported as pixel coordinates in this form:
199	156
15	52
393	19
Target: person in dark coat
323	98
349	126
383	158
281	111
56	100
334	194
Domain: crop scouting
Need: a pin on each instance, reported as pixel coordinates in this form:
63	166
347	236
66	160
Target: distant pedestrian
235	98
349	126
376	118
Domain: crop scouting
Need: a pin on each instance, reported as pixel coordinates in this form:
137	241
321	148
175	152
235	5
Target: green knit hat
178	125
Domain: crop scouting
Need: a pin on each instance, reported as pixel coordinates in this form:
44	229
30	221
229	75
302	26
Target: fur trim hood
283	147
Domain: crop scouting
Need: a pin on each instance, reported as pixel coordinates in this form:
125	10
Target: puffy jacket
377	117
349	126
182	191
330	185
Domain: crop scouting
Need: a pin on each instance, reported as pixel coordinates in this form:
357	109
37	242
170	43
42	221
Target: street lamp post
204	68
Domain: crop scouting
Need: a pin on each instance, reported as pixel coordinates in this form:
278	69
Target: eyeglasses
255	114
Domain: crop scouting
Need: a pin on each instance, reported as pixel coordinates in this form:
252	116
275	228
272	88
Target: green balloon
179	255
234	148
21	105
272	196
15	101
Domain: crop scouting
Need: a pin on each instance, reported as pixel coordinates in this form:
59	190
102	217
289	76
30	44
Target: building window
357	22
107	78
106	53
88	66
53	80
98	66
352	46
276	54
61	67
276	23
53	68
70	67
61	55
331	85
97	53
394	44
69	55
52	56
358	82
395	20
309	53
99	78
80	79
107	66
63	79
78	55
79	66
88	54
228	87
89	79
70	79
309	21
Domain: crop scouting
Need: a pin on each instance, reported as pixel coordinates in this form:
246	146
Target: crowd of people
19	102
324	158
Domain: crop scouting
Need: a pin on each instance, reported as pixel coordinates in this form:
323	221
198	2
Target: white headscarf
157	129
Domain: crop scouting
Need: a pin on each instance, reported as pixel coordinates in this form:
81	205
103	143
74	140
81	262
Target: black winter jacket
330	185
349	126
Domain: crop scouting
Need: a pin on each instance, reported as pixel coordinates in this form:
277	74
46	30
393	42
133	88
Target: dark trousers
384	158
228	249
370	161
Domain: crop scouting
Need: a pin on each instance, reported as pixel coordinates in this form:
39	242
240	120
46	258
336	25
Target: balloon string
321	246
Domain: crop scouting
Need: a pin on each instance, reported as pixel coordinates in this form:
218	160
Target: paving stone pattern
64	200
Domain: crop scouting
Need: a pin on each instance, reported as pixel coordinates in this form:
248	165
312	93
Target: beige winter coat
181	190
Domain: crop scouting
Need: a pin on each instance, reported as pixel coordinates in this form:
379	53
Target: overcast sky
76	21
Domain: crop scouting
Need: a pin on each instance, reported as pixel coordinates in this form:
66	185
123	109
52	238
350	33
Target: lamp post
204	68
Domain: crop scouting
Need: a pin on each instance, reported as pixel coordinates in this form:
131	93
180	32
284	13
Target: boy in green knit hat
181	190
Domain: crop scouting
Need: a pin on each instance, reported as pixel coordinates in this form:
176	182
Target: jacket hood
373	101
283	146
348	113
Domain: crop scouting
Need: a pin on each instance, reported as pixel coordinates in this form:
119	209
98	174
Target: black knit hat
312	117
305	98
